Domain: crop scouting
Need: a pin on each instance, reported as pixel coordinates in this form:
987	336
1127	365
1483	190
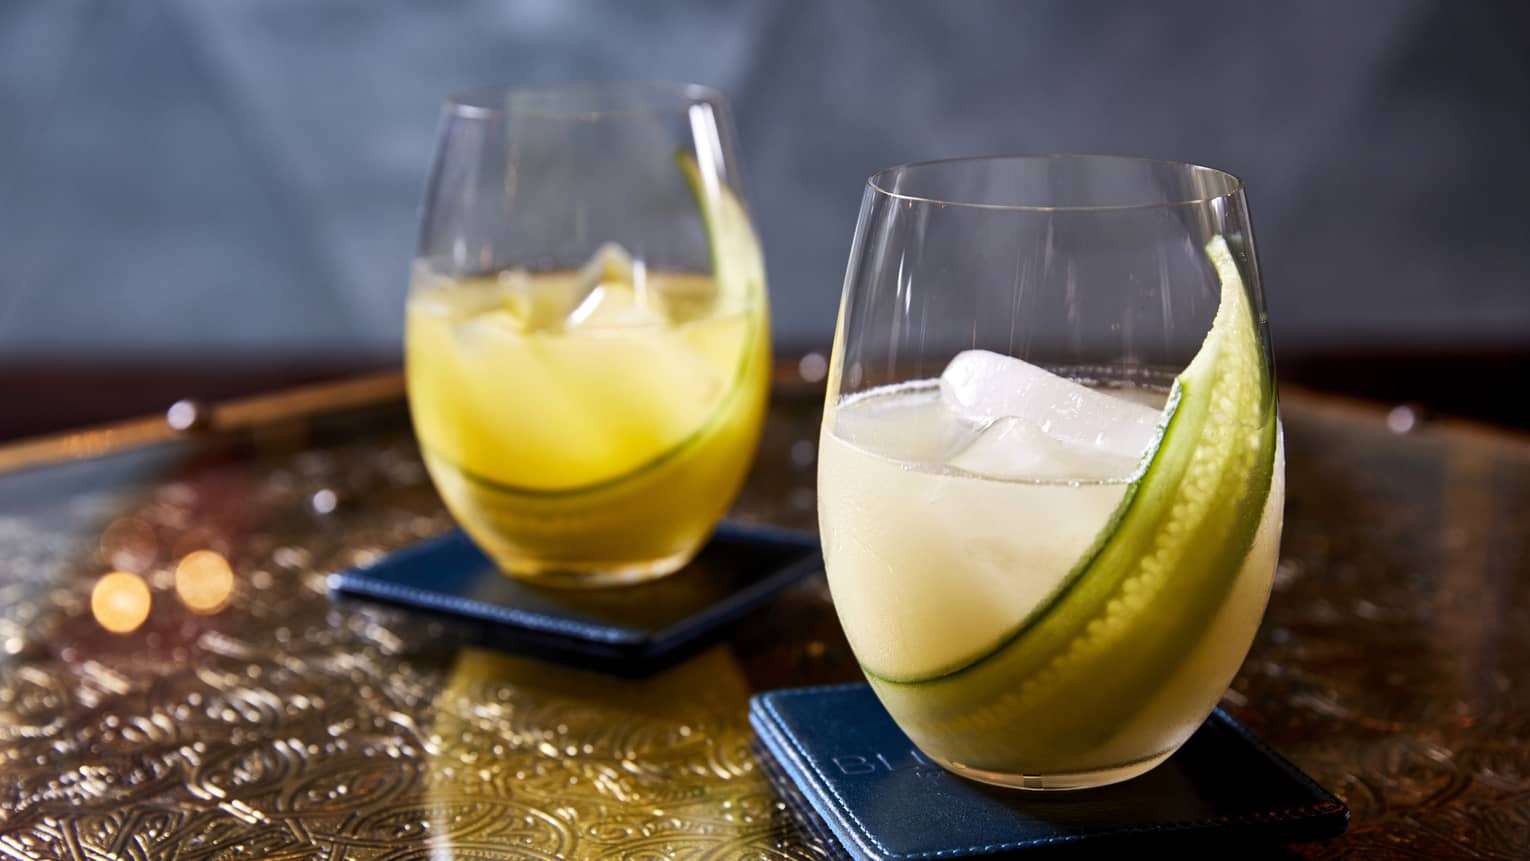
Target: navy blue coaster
628	630
880	799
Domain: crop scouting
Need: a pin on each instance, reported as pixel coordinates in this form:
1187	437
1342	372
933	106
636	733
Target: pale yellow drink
931	562
588	427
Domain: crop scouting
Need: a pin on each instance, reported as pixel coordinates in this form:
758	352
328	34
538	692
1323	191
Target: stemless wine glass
587	346
1051	479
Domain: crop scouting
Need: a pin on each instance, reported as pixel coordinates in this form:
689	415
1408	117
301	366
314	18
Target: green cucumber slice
738	265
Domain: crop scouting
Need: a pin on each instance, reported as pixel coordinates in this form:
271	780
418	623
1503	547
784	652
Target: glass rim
876	182
581	99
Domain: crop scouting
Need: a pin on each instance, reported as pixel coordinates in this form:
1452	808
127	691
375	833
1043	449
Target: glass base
594	575
1068	780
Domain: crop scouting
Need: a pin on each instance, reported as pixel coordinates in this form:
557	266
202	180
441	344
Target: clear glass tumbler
1051	477
587	337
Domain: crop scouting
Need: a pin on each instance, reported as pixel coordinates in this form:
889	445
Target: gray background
241	176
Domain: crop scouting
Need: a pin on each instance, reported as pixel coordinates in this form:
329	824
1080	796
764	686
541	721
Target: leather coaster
627	630
882	800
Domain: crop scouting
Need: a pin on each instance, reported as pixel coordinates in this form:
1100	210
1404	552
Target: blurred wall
242	175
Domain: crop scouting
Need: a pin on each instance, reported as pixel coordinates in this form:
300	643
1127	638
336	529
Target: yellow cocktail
587	341
605	445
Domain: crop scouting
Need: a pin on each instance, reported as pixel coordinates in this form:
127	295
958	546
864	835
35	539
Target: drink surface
589	420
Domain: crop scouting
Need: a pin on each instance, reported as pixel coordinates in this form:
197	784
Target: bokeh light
129	544
120	602
204	581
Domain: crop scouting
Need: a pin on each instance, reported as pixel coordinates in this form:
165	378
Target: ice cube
610	292
557	301
984	387
910	426
1015	448
612	306
527	302
610	264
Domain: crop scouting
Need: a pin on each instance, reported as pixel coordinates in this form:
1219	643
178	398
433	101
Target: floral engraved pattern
1394	665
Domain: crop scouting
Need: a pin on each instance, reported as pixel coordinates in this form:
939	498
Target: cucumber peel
738	265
